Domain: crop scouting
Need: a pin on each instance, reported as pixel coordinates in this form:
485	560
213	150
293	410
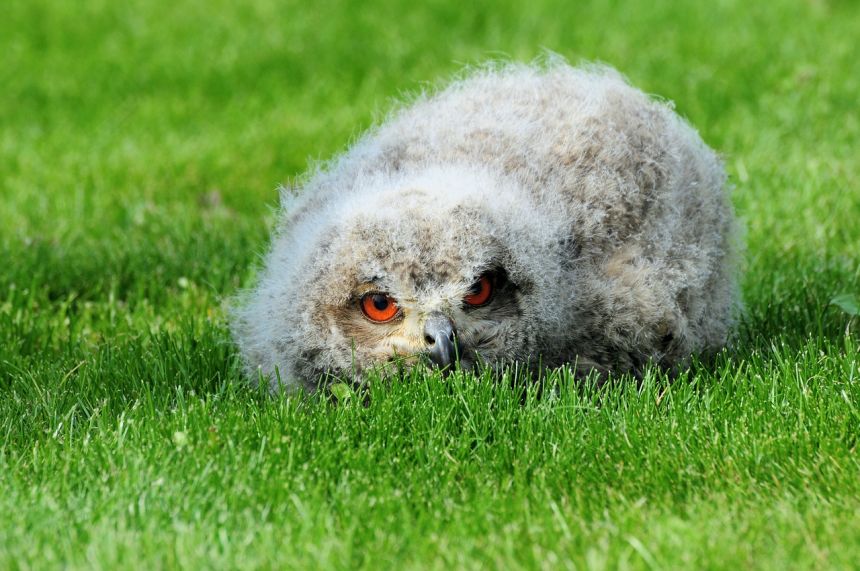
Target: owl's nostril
441	337
438	326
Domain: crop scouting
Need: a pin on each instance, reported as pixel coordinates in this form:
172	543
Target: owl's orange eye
379	307
480	292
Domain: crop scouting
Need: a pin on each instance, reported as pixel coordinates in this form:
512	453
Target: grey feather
606	213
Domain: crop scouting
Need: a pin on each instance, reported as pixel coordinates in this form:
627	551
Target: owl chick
539	213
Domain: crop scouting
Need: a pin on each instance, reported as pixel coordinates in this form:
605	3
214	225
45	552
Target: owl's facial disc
438	278
445	325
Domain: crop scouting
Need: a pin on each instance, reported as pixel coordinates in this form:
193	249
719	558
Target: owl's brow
371	279
374	284
496	269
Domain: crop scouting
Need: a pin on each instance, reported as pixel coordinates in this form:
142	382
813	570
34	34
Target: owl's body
598	217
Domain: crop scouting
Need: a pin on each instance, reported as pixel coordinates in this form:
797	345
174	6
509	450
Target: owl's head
445	266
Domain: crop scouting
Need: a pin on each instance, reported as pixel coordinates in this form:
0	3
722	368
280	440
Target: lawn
141	144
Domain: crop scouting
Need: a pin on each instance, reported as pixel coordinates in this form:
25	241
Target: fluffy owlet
546	214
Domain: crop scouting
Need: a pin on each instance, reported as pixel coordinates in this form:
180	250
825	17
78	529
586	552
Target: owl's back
578	139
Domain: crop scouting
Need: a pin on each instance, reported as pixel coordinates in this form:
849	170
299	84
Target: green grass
140	147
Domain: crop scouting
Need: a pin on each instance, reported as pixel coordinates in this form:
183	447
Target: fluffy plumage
602	214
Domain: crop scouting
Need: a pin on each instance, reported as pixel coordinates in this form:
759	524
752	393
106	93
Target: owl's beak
441	339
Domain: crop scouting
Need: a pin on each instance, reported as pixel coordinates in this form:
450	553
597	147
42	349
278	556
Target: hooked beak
441	339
